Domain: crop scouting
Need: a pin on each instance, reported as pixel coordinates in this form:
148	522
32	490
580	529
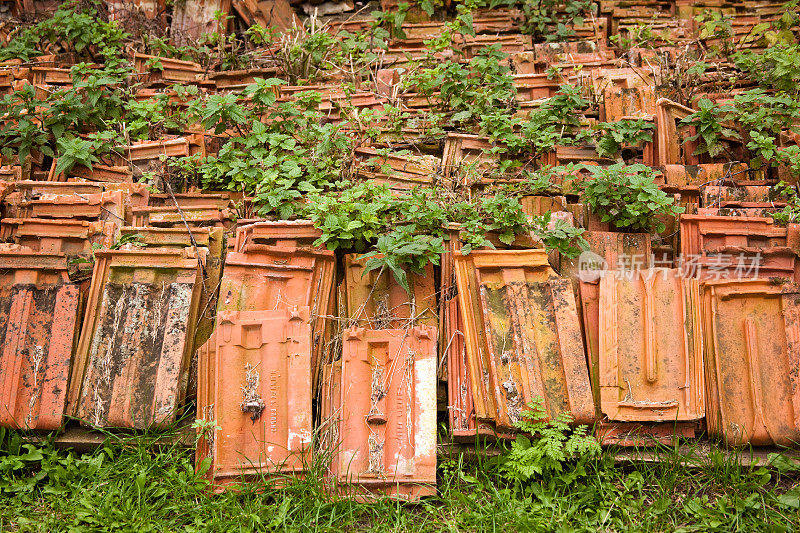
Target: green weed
149	483
628	197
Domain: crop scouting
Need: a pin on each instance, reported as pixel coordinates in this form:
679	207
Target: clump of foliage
391	21
545	446
431	7
562	109
761	118
628	197
716	31
555	121
154	117
545	181
150	483
755	117
789	158
777	67
519	143
408	231
465	92
279	152
499	212
710	130
304	53
790	214
642	35
402	251
353	218
76	124
554	20
75	27
558	234
611	137
90	120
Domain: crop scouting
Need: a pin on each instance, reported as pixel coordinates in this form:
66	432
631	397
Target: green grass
142	484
